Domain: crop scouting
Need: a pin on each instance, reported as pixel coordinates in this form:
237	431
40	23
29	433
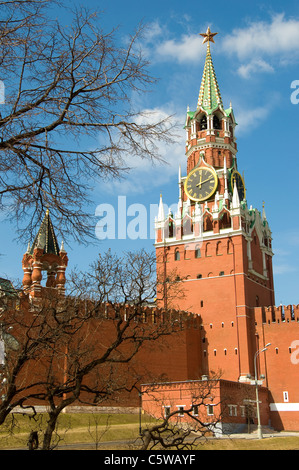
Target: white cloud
283	269
187	49
249	119
159	45
253	67
280	36
262	46
145	174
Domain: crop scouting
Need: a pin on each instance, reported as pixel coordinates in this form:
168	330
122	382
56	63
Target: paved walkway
112	445
266	433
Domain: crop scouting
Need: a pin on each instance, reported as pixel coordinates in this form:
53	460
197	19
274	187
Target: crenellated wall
280	363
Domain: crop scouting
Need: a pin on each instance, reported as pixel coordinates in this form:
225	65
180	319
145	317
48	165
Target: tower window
216	123
221	273
177	255
203	123
199	276
186	252
170	228
197	252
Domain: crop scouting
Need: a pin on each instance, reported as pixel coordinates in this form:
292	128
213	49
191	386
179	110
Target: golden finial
208	36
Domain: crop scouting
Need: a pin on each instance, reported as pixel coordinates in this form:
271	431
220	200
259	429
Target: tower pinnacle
208	36
209	94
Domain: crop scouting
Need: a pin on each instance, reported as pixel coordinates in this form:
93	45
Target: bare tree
69	118
79	349
182	429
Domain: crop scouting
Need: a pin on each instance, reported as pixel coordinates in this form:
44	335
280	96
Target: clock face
236	177
201	183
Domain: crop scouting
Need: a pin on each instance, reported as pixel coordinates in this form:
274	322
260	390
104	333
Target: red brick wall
224	296
280	363
220	394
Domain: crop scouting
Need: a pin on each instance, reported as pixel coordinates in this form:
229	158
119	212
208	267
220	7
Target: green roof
209	93
6	287
46	237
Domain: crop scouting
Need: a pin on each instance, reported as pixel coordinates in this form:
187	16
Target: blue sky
256	58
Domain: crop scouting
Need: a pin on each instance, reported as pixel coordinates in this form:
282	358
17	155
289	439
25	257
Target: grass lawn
98	429
269	443
72	428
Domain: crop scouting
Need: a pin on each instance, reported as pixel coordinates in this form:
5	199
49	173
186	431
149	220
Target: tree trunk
146	441
49	430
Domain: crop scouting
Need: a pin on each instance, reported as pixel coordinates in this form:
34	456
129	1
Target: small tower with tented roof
44	256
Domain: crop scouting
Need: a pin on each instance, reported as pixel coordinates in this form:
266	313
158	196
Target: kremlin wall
228	330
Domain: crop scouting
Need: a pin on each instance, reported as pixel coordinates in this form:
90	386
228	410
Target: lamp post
259	427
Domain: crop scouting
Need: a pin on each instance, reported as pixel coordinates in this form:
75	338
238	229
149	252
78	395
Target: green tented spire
46	237
209	94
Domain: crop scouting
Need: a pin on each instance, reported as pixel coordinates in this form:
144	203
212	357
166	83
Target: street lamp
259	427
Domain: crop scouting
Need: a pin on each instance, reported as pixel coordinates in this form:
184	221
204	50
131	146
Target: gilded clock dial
236	177
201	183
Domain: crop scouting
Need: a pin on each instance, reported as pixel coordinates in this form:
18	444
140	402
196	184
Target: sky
256	59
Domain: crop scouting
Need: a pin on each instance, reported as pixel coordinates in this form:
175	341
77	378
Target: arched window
170	228
203	123
207	224
187	252
208	249
177	255
197	252
225	221
216	122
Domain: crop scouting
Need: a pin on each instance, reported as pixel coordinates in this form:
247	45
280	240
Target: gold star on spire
208	36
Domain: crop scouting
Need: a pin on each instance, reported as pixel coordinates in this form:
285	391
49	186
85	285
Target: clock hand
199	184
202	182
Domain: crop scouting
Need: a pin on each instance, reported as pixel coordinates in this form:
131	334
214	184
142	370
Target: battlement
149	314
273	314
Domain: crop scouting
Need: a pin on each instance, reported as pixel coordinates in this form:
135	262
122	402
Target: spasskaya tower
219	248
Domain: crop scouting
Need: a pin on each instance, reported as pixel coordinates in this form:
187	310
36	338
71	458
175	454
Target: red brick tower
219	247
44	255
